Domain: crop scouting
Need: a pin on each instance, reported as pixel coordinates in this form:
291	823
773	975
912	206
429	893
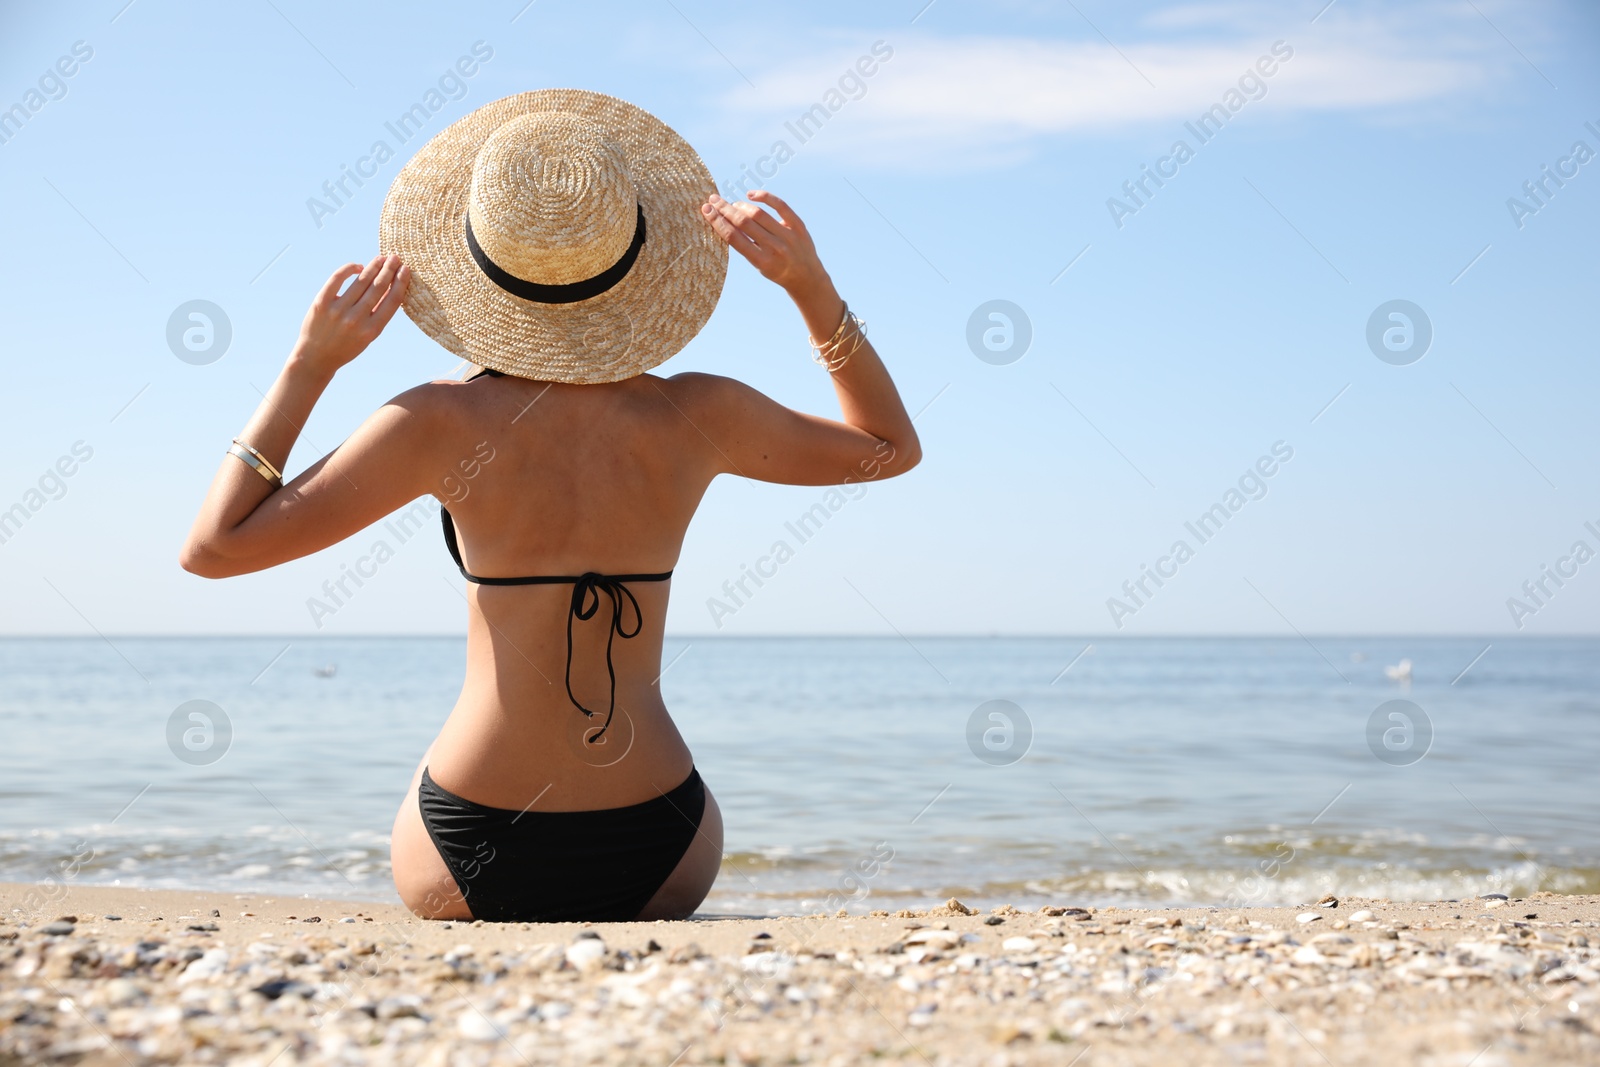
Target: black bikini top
586	590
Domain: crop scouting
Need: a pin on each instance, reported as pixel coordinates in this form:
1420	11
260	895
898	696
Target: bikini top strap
450	542
454	546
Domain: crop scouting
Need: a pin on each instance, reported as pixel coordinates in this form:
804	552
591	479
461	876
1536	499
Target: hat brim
645	319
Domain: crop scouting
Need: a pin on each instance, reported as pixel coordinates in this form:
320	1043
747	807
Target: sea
856	772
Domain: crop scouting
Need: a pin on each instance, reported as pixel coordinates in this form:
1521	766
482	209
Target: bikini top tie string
586	592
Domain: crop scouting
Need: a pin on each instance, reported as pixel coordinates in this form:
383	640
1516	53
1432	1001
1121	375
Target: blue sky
1176	339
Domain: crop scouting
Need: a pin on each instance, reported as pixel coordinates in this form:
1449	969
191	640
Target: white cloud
989	100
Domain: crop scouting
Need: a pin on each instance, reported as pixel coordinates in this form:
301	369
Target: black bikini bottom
561	866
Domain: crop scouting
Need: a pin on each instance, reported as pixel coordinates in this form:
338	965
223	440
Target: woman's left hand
340	326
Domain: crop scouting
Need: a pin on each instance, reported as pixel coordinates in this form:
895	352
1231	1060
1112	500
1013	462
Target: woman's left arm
248	523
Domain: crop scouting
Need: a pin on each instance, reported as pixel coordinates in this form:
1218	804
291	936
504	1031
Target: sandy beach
93	975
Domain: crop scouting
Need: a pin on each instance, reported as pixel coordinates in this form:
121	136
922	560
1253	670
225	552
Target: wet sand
189	977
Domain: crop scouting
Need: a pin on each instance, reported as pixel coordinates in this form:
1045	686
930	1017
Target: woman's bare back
566	480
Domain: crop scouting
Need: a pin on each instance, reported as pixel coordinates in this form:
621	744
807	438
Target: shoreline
200	977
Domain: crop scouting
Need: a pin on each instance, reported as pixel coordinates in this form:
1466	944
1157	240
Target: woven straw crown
557	235
552	200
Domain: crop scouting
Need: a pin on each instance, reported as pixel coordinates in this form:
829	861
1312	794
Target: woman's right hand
779	247
339	326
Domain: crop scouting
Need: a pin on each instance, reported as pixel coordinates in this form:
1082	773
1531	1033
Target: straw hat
557	235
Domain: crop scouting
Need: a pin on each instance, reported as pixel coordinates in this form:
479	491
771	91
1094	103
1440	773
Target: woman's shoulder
433	397
448	396
699	387
444	403
429	409
718	399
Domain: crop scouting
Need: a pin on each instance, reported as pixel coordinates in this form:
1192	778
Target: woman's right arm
759	438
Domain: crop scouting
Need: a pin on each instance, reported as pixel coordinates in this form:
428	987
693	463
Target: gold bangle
274	471
255	463
844	320
827	354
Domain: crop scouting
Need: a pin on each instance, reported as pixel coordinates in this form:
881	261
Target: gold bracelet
276	473
827	354
844	320
255	463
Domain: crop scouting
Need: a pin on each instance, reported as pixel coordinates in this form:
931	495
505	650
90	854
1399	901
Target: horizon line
968	636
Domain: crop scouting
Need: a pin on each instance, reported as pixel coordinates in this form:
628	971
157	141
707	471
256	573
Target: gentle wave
1154	771
276	860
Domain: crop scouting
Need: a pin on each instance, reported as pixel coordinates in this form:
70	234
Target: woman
564	242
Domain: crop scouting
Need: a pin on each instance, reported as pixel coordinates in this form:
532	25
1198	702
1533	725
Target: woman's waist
531	649
545	753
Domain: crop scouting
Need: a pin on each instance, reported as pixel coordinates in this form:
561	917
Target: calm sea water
860	772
